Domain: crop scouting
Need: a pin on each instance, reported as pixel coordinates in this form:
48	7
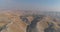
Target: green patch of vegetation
3	27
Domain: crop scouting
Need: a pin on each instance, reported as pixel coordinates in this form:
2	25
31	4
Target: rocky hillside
21	22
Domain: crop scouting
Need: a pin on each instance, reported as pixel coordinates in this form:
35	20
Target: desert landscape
29	15
20	21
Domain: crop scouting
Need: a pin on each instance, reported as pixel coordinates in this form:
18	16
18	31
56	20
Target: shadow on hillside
32	26
50	28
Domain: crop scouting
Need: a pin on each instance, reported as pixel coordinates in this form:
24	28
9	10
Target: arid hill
19	21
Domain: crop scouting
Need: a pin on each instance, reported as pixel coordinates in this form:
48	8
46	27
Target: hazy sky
49	5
